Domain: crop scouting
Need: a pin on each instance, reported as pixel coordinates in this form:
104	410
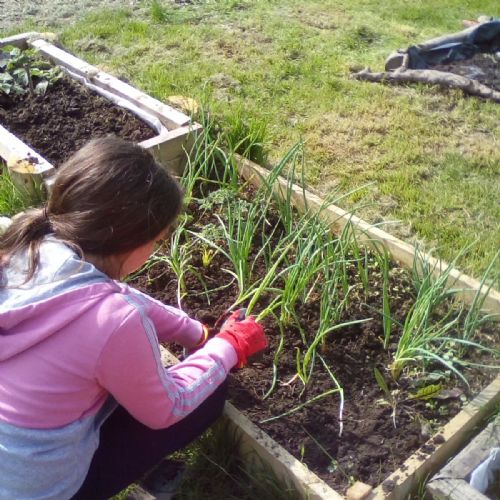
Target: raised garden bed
363	442
38	132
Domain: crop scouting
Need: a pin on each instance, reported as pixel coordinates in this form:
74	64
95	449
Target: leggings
128	449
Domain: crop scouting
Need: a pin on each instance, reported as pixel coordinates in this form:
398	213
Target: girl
79	359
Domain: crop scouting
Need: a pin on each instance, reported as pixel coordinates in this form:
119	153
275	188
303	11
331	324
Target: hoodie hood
63	287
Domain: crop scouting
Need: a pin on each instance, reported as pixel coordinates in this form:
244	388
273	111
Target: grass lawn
425	159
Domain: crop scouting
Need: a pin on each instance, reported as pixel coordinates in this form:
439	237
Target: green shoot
324	330
276	358
424	339
474	317
382	257
341	394
301	275
389	397
178	258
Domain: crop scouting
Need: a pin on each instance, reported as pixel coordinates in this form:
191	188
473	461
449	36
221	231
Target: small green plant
389	398
159	13
22	72
14	199
425	338
207	256
178	258
475	317
245	136
382	257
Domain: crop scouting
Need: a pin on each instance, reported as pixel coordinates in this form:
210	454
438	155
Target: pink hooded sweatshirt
69	339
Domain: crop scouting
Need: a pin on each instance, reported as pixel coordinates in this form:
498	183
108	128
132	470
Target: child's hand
245	335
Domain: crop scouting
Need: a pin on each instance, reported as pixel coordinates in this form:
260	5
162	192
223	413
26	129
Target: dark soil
482	67
60	122
370	447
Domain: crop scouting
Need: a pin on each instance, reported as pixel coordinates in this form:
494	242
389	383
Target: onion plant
239	234
340	390
178	258
300	406
303	273
383	261
425	339
361	258
331	309
475	316
306	365
205	155
276	359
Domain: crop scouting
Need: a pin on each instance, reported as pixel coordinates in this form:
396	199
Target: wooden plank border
171	117
451	481
27	168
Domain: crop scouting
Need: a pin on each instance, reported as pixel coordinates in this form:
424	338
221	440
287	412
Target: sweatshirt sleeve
171	324
130	368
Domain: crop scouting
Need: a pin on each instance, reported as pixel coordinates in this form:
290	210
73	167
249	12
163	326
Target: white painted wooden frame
170	147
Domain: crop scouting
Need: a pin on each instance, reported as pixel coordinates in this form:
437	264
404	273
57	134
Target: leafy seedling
22	72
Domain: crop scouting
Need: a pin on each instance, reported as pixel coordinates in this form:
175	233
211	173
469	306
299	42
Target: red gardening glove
245	335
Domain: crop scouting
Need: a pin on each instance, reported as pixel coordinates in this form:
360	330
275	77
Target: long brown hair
110	197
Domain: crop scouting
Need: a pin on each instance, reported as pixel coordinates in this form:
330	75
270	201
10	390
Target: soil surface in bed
370	446
60	122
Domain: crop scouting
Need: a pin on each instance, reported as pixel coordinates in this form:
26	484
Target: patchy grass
12	199
283	69
219	470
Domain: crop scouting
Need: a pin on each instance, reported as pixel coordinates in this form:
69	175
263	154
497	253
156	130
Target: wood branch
432	77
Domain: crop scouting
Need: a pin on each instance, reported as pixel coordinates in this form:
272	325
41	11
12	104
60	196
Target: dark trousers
129	449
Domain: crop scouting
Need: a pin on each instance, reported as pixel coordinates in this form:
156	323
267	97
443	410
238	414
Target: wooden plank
169	116
27	169
173	148
15	153
21	40
474	453
255	442
401	252
455	489
448	482
358	491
